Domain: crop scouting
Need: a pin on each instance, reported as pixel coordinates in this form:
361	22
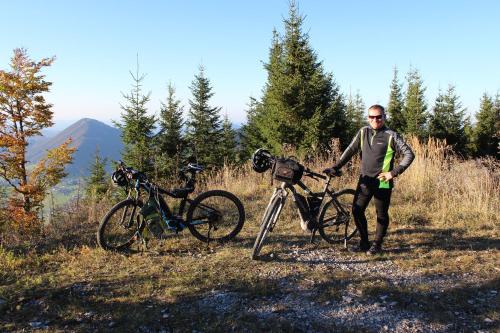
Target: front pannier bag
287	170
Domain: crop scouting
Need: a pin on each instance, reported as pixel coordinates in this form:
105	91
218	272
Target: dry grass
444	222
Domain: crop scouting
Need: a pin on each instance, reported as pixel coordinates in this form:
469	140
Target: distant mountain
87	134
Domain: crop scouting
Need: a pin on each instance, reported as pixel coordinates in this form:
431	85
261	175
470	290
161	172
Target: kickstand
313	233
345	238
143	241
208	235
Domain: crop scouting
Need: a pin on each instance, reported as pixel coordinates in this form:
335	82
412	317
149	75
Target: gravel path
397	310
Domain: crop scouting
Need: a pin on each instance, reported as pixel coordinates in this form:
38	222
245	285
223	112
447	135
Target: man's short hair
377	107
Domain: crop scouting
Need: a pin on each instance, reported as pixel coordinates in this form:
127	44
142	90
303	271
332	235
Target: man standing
378	146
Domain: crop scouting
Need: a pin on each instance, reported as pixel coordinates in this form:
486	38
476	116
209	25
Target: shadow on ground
102	306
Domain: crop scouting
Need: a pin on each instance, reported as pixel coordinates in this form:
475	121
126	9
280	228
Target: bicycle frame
161	206
305	211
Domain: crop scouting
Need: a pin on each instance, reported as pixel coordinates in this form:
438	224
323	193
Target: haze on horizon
96	45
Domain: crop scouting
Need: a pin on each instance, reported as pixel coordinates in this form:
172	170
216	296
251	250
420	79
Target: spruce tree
355	114
496	108
263	117
415	107
447	120
229	145
470	148
97	182
485	132
137	127
251	137
396	120
204	132
301	104
169	141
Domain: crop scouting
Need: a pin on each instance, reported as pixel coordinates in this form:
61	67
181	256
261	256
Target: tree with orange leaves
23	114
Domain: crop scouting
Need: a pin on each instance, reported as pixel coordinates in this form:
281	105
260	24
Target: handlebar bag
287	170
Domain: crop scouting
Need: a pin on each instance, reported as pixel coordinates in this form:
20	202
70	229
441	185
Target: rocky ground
301	306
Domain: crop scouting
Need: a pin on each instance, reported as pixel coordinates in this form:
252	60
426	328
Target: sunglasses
378	117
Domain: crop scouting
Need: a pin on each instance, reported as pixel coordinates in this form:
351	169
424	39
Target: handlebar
308	172
131	172
263	153
192	169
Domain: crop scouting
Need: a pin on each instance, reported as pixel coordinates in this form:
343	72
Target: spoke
330	219
199	222
333	224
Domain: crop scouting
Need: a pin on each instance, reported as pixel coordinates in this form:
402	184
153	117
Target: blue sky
96	44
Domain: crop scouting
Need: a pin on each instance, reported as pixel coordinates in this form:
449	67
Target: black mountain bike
327	212
214	215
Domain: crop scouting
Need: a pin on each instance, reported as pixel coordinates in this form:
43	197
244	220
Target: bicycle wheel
215	216
270	215
120	226
336	225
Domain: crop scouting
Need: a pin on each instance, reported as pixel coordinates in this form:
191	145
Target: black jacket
378	150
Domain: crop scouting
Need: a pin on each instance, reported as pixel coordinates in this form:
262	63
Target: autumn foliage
23	114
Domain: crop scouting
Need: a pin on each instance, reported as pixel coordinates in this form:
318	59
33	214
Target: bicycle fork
282	193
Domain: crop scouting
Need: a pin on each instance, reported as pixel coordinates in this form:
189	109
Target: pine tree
97	183
137	127
251	137
229	145
204	132
470	148
415	107
447	120
496	108
355	112
396	120
301	104
169	141
263	117
485	132
24	112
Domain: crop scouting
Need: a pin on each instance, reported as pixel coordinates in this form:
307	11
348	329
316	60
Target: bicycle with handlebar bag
327	212
214	215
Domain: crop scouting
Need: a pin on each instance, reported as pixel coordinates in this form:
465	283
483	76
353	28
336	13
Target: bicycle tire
223	207
128	226
269	217
330	227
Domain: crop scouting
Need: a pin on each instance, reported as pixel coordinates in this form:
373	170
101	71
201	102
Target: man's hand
385	176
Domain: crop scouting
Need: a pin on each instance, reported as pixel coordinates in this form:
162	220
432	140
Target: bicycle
327	212
214	215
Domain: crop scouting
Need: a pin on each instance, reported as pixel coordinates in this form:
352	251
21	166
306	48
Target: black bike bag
287	170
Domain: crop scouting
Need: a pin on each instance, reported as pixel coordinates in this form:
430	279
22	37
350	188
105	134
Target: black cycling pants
367	188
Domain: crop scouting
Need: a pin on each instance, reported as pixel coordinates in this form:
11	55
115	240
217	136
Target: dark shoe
375	249
361	247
